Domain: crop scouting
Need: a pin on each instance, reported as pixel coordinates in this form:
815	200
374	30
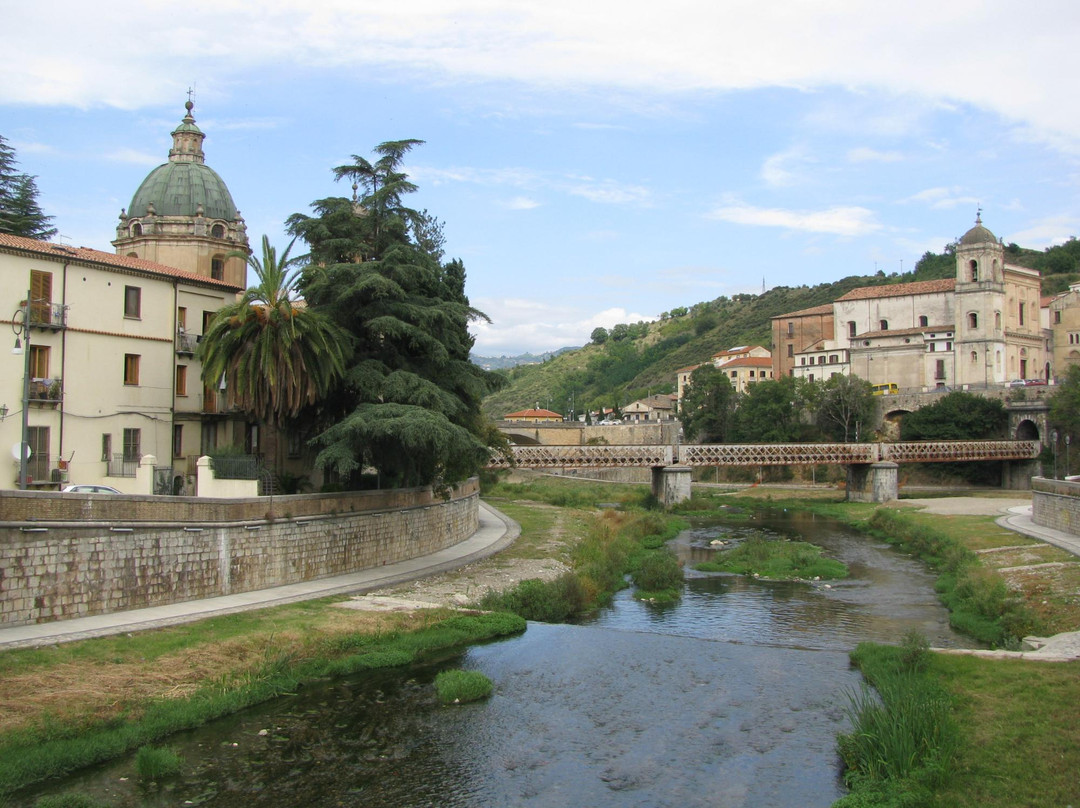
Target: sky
593	162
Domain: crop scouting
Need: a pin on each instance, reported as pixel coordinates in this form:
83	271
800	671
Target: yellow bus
889	389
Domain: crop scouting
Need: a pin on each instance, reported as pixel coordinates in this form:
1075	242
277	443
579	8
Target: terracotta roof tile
61	252
825	308
901	289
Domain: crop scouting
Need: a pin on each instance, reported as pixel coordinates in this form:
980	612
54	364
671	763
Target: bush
658	571
154	763
544	601
459	687
69	800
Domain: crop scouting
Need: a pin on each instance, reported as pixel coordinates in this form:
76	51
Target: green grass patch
157	762
776	560
49	750
658	577
904	738
460	687
69	800
545	601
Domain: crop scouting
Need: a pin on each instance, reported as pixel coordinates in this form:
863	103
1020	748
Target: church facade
981	328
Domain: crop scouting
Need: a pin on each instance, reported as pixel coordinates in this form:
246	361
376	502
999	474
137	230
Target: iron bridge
765	454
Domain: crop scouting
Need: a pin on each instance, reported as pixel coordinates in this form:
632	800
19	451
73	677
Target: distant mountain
507	362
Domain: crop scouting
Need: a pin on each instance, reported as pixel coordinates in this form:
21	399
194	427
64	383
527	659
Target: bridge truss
772	454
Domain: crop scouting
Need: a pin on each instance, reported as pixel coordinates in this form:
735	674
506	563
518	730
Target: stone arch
890	423
1027	429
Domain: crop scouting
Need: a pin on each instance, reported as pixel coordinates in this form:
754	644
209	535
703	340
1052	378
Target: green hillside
641	358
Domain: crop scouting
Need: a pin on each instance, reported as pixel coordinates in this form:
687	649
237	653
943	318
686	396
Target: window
37	466
1021	314
132	442
132	302
933	347
884	325
791	329
973	320
218	231
131	369
973	271
948	346
106	447
851	328
181	380
136	229
974	358
294	446
790	349
924	320
833	359
39	361
178	440
181	318
811	377
40	296
939	370
1057	317
997	320
217	268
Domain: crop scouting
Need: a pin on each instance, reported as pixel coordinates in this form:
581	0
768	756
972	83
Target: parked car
1030	382
1017	383
89	489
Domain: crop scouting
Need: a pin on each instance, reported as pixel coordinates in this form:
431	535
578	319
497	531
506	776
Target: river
733	697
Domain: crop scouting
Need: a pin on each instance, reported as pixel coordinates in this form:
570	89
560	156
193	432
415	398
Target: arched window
136	229
974	357
973	320
217	268
923	320
997	320
218	231
973	271
884	325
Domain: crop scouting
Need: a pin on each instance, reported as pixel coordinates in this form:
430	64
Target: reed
460	687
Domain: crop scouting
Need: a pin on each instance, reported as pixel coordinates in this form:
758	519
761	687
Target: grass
69	800
776	560
460	687
97	712
154	763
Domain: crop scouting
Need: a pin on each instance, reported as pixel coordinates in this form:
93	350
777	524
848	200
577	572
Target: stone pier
872	482
671	484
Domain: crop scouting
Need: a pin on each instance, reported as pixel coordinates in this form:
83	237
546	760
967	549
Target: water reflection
731	698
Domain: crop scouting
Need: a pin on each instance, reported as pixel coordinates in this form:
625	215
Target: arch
1027	430
973	320
924	320
891	422
973	270
136	229
218	231
1074	357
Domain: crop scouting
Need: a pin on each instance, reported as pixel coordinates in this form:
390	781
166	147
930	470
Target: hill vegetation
633	360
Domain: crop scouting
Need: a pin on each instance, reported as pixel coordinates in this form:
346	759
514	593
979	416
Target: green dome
978	234
177	189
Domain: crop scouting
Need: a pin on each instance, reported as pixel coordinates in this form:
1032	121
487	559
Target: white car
89	489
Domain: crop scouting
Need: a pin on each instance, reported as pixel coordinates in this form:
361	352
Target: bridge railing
767	454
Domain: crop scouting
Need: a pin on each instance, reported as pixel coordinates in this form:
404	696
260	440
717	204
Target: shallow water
731	698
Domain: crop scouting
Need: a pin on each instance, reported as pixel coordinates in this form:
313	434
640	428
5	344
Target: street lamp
1068	440
1054	438
20	324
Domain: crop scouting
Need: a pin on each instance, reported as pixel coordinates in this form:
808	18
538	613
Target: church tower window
217	268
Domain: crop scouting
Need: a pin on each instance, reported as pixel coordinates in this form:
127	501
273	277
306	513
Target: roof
180	189
739	350
901	289
533	414
85	255
688	368
978	234
825	308
749	362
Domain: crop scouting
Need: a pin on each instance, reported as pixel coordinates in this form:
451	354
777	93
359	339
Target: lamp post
1068	440
20	324
1054	438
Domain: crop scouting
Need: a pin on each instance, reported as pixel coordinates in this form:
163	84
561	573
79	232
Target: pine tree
20	214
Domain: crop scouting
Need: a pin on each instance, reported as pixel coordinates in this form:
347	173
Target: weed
459	687
156	762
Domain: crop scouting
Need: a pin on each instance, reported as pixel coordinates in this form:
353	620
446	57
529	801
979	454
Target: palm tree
276	354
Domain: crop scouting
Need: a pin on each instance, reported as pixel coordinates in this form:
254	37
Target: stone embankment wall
73	555
1056	504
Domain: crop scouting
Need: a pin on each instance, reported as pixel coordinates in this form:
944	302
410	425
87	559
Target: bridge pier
1016	474
671	484
872	482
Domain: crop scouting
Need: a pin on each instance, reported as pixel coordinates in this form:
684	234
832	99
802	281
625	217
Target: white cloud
781	169
134	157
868	155
1048	232
89	51
840	221
522	203
528	325
942	198
608	192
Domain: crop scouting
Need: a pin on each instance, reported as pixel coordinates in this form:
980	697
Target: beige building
983	327
1065	330
747	370
110	373
537	415
650	410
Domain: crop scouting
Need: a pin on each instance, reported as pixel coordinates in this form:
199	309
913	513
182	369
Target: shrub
658	571
156	762
545	601
69	800
459	687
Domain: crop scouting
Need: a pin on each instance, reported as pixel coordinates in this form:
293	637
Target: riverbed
733	697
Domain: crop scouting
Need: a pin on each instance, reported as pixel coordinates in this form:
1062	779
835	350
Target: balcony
46	392
44	471
48	316
120	465
186	343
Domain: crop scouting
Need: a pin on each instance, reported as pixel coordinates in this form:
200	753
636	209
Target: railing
121	466
767	454
238	467
49	391
48	315
186	343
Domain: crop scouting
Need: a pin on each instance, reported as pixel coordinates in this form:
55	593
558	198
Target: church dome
978	234
184	186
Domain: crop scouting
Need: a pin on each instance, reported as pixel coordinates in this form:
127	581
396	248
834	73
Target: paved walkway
495	533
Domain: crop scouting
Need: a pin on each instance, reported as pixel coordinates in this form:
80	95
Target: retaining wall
135	552
1056	504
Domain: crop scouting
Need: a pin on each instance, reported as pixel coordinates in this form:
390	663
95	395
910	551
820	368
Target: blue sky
593	162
